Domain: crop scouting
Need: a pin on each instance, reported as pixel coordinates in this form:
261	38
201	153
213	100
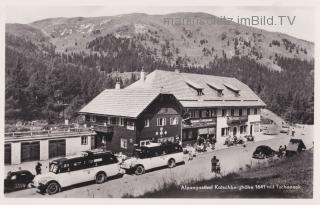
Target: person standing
38	168
293	131
214	164
280	151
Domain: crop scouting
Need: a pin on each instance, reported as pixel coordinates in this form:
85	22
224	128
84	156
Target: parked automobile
295	146
72	170
263	152
284	129
18	180
152	156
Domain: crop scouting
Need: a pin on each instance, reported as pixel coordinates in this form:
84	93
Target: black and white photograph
122	101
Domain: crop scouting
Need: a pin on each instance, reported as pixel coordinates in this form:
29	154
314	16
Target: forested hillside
44	77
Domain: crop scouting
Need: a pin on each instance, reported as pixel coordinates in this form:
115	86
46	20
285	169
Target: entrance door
57	148
7	153
30	151
234	131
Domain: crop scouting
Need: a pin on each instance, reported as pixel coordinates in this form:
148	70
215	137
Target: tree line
44	84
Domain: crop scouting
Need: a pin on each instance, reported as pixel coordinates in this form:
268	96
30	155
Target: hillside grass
296	172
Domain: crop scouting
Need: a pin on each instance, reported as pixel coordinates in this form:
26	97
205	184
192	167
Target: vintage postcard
106	101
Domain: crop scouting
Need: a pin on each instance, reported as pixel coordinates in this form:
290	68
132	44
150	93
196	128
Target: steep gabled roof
122	102
176	83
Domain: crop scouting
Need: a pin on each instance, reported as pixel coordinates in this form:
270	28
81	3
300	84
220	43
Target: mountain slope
170	37
71	60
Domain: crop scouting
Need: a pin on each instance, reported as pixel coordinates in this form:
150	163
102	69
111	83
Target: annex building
214	106
125	118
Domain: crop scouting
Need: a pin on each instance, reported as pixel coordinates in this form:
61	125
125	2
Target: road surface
232	159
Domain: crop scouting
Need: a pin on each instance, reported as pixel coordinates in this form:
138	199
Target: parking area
232	159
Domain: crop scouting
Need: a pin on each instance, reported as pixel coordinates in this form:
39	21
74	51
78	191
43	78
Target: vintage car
263	151
295	146
18	180
67	171
153	156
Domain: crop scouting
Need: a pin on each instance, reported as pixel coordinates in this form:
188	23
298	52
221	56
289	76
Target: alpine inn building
173	106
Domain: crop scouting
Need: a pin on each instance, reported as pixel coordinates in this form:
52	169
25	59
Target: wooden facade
160	121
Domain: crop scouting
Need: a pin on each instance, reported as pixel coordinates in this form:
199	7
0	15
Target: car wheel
171	163
139	170
100	178
52	188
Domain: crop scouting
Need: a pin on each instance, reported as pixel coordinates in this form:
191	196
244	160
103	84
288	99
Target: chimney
142	75
117	85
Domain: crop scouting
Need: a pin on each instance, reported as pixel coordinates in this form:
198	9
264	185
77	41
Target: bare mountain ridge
195	43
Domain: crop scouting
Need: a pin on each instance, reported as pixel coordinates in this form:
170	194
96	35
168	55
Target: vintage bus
72	170
152	156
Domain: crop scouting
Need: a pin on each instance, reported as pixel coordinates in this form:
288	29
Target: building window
108	121
223	112
173	120
146	123
240	111
124	143
232	112
192	114
130	125
223	131
200	92
84	140
213	112
248	111
113	121
92	118
121	121
196	114
161	121
208	114
144	143
255	111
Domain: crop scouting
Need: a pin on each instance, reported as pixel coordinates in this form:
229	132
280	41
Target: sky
302	18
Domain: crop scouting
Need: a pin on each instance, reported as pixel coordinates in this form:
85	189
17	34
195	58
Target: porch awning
212	130
203	131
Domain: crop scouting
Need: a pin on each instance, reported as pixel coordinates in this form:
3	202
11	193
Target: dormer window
200	92
233	89
216	87
195	86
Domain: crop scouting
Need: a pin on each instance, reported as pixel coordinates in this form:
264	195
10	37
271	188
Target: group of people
203	143
282	151
233	140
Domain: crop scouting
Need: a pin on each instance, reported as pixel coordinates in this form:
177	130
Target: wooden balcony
237	119
100	127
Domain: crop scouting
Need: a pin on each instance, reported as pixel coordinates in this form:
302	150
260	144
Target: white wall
15	153
255	121
73	145
221	123
44	149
